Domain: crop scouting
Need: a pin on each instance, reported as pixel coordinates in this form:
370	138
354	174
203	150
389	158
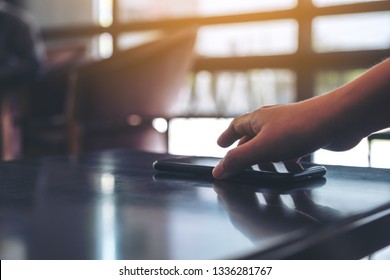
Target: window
103	12
133	39
250	53
223	7
62	13
352	32
246	39
324	3
328	80
133	10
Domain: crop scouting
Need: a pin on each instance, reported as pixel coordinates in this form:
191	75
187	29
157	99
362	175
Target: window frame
304	62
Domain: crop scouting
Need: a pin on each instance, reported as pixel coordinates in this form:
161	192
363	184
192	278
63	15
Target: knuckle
229	160
237	121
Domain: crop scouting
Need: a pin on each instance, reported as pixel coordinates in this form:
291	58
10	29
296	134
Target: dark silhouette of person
21	48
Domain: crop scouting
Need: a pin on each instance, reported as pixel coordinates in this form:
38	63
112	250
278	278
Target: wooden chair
12	103
44	129
113	102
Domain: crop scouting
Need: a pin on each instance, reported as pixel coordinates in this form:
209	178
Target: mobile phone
203	166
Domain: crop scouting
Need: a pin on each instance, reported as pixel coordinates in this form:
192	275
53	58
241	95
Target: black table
112	205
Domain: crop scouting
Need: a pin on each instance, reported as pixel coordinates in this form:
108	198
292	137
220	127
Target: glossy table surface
112	205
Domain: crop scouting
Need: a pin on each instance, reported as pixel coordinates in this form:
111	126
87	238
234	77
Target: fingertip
220	142
236	160
228	137
218	171
223	141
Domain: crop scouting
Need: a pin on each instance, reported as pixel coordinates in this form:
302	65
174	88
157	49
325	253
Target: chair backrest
143	81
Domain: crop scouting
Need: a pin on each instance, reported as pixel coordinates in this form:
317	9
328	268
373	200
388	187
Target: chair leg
10	132
74	134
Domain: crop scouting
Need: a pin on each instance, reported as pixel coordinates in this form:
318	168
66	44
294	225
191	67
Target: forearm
363	106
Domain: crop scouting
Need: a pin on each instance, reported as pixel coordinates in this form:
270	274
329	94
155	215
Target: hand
285	133
270	134
336	121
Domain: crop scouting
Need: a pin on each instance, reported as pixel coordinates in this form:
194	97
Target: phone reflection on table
267	213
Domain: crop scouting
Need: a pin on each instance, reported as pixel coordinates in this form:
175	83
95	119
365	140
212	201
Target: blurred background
248	54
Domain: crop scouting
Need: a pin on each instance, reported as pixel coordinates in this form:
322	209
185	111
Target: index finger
238	128
239	158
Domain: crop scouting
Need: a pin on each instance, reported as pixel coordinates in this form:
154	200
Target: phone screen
203	166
